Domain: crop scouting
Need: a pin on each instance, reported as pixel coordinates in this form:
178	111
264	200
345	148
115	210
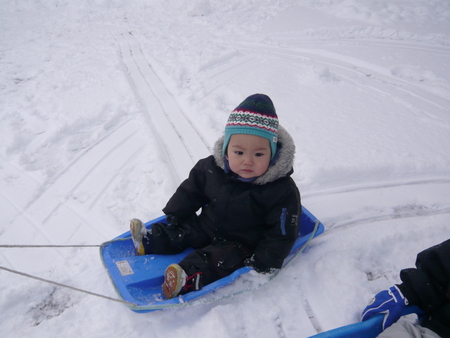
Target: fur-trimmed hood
282	167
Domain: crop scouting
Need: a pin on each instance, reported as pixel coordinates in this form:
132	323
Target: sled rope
135	306
311	236
9	246
56	283
66	286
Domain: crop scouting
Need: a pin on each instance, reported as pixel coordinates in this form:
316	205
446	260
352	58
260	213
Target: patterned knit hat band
254	116
239	118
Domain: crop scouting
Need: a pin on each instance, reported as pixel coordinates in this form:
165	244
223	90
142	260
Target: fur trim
282	167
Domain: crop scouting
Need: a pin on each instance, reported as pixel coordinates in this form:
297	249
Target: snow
106	105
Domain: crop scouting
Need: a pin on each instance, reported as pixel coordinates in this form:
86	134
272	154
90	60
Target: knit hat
254	116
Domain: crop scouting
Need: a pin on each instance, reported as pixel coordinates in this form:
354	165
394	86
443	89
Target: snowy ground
106	104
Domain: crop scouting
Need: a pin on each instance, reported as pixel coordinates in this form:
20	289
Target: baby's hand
172	220
258	266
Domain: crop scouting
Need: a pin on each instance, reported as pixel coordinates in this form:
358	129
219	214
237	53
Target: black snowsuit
237	220
428	287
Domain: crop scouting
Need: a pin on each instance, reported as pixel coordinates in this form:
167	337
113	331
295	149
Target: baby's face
248	155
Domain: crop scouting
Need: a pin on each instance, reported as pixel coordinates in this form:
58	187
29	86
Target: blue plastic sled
370	328
138	279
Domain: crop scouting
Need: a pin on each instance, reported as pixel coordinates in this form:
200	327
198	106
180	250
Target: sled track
383	42
377	186
181	144
372	76
407	211
96	167
226	71
433	200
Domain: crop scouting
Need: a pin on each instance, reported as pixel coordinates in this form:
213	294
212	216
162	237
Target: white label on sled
124	268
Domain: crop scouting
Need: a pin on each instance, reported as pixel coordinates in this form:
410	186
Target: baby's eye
237	152
259	154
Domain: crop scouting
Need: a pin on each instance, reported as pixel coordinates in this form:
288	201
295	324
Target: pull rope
135	306
56	283
67	286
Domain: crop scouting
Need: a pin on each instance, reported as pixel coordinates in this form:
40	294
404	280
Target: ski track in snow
111	153
385	83
182	144
401	212
96	166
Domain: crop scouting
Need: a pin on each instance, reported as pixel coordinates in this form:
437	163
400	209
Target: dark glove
172	220
388	302
258	266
